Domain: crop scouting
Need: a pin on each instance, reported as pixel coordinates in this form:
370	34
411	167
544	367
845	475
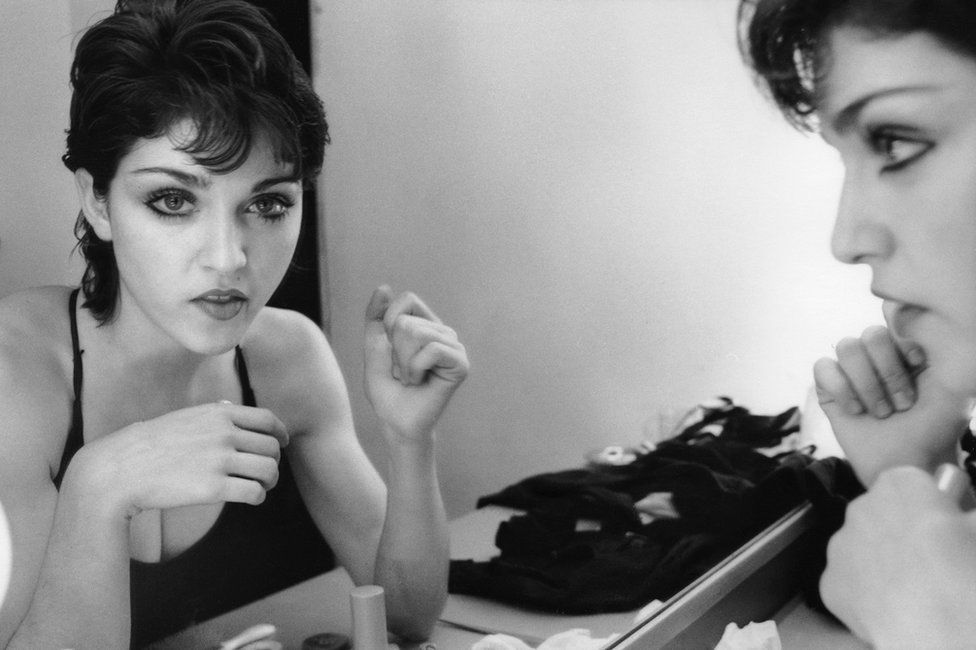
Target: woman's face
199	253
901	110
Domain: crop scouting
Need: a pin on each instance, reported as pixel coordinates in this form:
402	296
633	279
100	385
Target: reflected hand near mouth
413	363
884	408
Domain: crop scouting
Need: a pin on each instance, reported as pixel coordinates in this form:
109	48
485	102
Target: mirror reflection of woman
892	86
152	418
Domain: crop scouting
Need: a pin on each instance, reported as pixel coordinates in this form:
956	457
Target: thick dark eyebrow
184	177
848	116
260	186
204	182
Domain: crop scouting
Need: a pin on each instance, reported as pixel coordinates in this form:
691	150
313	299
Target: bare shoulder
293	370
35	375
35	333
282	333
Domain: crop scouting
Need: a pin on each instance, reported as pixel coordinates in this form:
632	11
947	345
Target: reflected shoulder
289	360
282	335
35	376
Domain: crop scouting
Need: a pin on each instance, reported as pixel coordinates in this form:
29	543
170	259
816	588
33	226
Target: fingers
254	467
249	442
449	363
413	343
378	304
421	346
871	374
834	391
257	420
857	366
891	366
251	467
242	490
384	306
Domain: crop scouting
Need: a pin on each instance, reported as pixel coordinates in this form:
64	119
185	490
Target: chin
956	373
213	344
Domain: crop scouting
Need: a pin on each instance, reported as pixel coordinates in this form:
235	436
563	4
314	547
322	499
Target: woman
892	86
155	424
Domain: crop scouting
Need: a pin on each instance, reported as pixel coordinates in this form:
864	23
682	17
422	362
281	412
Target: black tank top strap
247	394
76	434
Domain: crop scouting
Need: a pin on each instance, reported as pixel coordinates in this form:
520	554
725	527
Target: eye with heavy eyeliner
171	202
897	147
271	207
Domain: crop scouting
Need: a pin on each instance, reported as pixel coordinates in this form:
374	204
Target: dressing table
751	585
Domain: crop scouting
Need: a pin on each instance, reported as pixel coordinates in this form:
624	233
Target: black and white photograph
487	324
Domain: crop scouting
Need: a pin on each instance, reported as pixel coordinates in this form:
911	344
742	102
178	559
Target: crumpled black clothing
723	488
829	484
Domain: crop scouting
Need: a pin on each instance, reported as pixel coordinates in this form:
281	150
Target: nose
224	244
861	232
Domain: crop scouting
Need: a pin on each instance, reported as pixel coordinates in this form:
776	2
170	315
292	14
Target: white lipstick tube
368	618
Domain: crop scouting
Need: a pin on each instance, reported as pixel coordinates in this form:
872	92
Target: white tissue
500	642
754	636
575	639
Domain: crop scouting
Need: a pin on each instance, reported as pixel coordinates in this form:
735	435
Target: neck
144	356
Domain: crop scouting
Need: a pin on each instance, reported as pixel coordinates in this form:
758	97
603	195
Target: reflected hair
153	63
785	41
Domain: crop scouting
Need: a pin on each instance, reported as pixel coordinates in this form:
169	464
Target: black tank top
249	552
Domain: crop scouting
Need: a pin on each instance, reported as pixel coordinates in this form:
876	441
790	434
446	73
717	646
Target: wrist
411	463
89	485
408	441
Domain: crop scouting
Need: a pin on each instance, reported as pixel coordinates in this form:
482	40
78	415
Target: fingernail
916	357
854	408
903	400
882	409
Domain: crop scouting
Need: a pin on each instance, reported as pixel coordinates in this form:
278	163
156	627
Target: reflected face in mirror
180	230
901	110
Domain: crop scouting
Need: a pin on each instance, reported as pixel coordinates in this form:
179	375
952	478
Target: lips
221	304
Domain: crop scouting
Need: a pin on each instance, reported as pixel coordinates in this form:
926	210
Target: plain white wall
598	199
37	193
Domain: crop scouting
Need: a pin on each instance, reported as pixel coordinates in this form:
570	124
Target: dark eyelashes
284	200
899	146
168	193
277	205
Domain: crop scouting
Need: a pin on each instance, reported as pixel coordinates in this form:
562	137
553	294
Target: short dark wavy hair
784	41
153	63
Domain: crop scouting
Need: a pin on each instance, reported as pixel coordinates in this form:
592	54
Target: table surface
321	604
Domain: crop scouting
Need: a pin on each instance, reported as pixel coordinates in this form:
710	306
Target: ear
94	207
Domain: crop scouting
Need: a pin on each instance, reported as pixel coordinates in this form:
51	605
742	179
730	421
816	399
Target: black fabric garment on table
249	552
724	490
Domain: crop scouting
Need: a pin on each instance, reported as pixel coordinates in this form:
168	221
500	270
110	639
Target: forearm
82	594
413	557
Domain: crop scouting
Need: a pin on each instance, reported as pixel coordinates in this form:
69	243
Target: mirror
6	554
601	202
593	193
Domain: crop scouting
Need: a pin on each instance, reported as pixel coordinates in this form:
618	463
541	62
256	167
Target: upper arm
30	397
341	489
